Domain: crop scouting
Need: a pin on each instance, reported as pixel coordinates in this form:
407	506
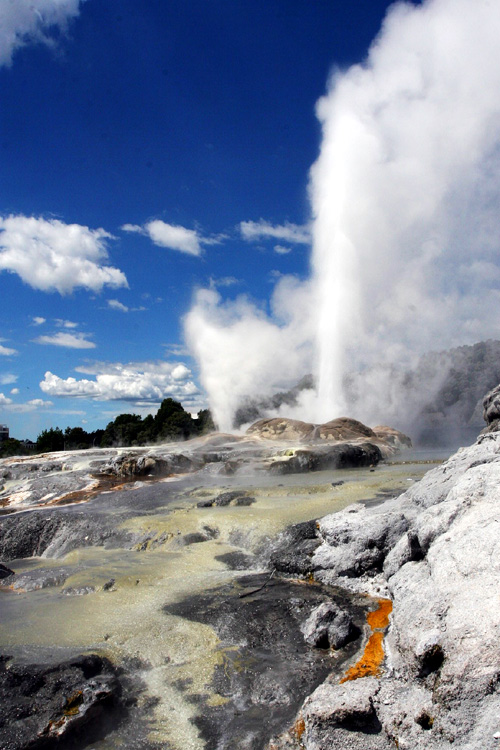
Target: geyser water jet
404	199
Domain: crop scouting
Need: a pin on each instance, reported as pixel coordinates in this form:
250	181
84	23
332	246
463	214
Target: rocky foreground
429	677
276	446
422	670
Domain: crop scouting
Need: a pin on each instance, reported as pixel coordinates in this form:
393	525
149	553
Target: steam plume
404	198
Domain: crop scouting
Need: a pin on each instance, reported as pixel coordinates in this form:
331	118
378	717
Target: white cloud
65	323
176	350
174	237
282	250
256	230
115	304
37	321
14	392
6	351
25	21
4	400
137	382
35	404
223	281
133	228
69	340
7	378
52	256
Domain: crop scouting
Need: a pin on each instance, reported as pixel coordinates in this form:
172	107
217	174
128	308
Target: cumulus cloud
52	256
35	404
170	235
4	400
6	351
144	382
256	230
405	222
38	321
68	340
115	304
25	22
282	249
14	392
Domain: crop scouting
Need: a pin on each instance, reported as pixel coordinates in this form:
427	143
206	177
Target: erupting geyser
405	225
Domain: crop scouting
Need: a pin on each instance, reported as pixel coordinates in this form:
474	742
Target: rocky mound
431	680
281	428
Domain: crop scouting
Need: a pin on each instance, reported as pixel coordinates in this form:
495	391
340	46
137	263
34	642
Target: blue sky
148	149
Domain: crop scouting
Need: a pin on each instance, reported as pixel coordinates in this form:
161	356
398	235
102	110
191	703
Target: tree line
171	422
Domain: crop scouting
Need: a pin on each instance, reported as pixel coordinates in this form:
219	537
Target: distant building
29	444
4	432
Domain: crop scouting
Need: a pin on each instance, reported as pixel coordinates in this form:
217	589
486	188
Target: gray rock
66	705
294	549
357	540
329	626
35	580
5	572
343	716
436	550
491	408
337	456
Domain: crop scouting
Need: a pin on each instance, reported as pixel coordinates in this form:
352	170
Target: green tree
50	440
12	447
204	422
172	422
122	431
76	438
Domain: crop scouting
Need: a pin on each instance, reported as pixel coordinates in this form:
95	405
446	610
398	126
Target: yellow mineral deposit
370	663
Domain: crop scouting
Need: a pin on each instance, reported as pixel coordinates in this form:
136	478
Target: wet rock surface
68	705
53	533
268	667
339	456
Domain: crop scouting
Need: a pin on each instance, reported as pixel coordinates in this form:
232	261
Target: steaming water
130	622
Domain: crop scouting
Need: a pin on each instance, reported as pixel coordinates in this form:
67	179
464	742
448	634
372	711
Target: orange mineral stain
370	663
380	617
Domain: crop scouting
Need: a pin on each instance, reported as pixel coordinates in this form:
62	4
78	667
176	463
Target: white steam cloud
405	228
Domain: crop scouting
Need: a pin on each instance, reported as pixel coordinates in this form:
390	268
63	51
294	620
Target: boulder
333	714
398	440
329	626
321	457
5	572
491	410
63	705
